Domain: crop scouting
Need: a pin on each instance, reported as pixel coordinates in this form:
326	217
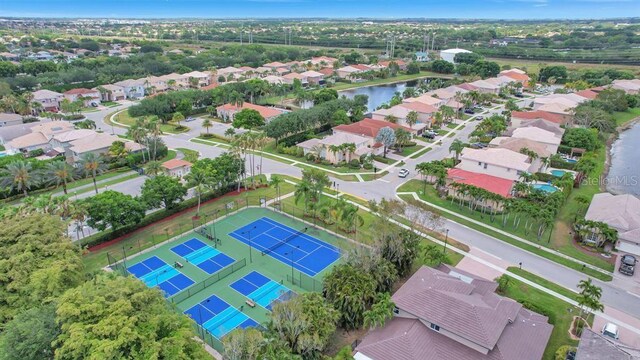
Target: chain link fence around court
305	282
199	286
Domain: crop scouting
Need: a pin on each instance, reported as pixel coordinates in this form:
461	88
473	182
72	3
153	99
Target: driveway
629	283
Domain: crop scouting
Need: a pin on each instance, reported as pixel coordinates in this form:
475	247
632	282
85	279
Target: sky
474	9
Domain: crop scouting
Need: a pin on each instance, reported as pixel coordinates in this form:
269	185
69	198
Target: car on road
469	111
610	330
479	118
628	265
189	119
403	173
519	95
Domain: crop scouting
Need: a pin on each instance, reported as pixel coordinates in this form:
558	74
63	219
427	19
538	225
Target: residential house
291	77
9	56
322	148
177	167
176	81
323	61
38	137
204	79
10	132
421	56
10	119
492	184
518	117
155	84
226	112
518	144
538	123
369	128
621	212
133	88
426	99
486	86
550	140
313	77
448	313
89	97
502	163
517	76
97	143
111	92
276	65
228	73
587	93
595	346
50	100
348	72
400	113
401	64
631	87
273	80
449	55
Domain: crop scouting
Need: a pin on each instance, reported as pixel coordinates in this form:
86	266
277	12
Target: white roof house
449	54
548	138
621	212
498	162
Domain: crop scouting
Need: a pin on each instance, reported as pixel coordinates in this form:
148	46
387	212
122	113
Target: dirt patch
342	338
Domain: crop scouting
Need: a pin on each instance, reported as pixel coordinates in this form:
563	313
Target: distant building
422	56
177	167
449	54
10	119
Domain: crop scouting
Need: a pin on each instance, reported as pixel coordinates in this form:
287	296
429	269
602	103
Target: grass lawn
422	152
2	147
441	132
384	160
337	176
431	196
189	154
109	103
544	282
533	66
123	118
174	225
452	125
559	312
271	149
371	177
623	117
422	74
406	151
171	154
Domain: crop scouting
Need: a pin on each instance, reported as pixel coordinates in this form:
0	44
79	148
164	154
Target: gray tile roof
594	346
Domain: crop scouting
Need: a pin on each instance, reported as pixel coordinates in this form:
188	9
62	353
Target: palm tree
589	297
18	176
206	123
60	173
153	168
275	182
412	118
92	164
177	117
456	146
391	118
199	181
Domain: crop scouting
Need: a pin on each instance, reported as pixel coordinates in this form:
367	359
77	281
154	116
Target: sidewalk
502	232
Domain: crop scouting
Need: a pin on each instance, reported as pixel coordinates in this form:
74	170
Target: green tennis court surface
229	275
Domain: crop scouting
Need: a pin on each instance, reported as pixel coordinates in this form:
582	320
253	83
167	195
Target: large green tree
115	317
37	262
163	190
115	209
30	334
351	291
247	119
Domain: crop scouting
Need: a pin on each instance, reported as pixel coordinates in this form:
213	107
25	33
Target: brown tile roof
516	76
589	94
368	127
538	114
490	183
80	91
419	107
266	112
175	163
466	307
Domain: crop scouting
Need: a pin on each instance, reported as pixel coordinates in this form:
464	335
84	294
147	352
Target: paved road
385	187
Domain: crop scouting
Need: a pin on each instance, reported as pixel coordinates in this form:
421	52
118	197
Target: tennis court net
283	242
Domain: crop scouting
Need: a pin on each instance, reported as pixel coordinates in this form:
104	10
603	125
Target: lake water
378	94
624	172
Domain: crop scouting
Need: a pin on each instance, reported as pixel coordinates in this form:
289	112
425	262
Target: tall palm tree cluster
20	176
346	150
22	104
246	145
147	131
597	231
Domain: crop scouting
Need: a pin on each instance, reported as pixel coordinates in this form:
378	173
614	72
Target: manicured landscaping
370	177
559	312
544	282
406	151
420	153
431	197
626	116
271	149
125	119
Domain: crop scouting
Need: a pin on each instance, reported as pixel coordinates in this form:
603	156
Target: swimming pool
546	187
571	161
3	153
559	173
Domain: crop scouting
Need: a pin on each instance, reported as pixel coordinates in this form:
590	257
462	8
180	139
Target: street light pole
446	236
250	242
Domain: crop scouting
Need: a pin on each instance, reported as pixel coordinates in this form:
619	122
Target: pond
624	173
378	94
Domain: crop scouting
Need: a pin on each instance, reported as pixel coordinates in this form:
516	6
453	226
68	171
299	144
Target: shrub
544	177
368	166
354	164
561	353
36	152
30	119
310	157
325	162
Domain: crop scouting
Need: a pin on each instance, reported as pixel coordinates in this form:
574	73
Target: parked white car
610	330
403	173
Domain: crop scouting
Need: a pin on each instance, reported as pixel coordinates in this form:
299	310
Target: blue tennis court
218	317
155	272
292	247
202	255
262	290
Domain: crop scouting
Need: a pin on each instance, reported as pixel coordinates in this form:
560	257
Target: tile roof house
518	116
98	143
426	99
516	76
291	77
90	96
486	86
517	144
313	77
368	127
177	167
275	65
349	71
621	212
401	112
38	137
133	88
10	119
452	314
594	346
321	147
203	78
502	163
631	87
490	183
112	92
550	140
589	94
538	123
227	111
50	100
